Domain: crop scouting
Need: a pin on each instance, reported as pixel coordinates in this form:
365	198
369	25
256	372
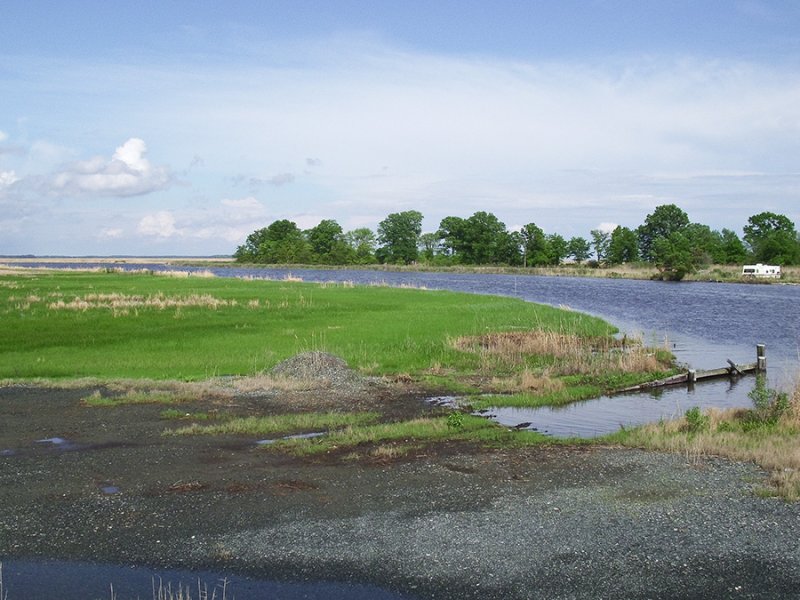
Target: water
703	323
68	580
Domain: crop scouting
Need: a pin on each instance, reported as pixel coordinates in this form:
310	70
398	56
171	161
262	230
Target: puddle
109	490
592	418
58	443
296	436
8	452
37	580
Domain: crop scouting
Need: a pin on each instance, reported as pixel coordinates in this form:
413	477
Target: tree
483	236
579	249
451	232
398	235
600	240
362	242
661	223
623	246
703	242
249	251
328	244
673	256
557	249
772	238
730	249
429	245
279	243
535	251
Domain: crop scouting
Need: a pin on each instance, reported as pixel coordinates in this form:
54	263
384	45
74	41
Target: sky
177	128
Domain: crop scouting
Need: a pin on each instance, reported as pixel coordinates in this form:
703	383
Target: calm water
65	580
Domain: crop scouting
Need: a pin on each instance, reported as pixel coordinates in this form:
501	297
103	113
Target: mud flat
446	521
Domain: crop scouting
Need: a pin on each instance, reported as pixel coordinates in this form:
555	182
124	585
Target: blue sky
180	127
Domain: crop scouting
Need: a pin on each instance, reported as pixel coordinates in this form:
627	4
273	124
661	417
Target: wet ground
102	485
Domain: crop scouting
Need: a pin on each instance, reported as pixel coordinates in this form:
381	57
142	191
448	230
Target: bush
696	421
768	405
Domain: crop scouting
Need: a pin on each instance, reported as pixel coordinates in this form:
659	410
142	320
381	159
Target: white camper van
760	270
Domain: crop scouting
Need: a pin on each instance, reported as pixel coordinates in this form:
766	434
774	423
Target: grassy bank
768	434
115	325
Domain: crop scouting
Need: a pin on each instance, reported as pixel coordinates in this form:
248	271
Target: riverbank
710	273
445	521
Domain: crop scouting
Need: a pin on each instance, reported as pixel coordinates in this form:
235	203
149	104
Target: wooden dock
692	376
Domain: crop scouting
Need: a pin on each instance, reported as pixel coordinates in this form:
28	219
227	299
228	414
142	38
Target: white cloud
3	136
110	233
127	173
7	178
160	224
607	227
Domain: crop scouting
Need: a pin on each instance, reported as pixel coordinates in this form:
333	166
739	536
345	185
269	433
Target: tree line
666	239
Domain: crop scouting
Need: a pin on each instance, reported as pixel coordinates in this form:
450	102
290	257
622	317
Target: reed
738	434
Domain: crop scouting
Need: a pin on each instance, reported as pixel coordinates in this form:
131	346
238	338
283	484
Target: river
703	324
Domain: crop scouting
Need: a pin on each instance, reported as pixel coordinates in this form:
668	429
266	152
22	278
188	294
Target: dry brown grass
575	355
120	303
528	381
775	448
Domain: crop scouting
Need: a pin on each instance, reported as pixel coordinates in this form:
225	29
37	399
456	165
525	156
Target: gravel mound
319	367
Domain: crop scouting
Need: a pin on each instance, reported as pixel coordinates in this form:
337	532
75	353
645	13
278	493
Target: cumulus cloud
110	233
127	173
160	225
7	178
607	227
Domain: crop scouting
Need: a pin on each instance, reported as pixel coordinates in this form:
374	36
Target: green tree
661	223
451	233
249	251
557	249
772	239
362	242
703	242
579	249
600	240
730	249
429	245
623	246
673	256
535	249
398	235
279	243
328	244
484	235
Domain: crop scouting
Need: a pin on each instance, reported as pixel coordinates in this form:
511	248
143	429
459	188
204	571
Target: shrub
696	421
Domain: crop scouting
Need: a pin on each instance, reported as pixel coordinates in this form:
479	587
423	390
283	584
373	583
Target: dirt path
448	522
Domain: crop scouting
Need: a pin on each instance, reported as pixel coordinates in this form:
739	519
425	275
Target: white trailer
759	270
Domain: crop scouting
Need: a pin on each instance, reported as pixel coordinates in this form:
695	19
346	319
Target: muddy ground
446	521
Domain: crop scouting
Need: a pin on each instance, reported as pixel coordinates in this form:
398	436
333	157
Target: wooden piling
761	357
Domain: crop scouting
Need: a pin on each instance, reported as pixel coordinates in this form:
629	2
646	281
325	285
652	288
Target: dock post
761	357
692	376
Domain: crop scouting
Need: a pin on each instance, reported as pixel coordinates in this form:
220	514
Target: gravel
449	522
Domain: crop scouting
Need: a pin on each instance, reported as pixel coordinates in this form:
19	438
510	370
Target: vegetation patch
287	423
379	438
767	434
134	397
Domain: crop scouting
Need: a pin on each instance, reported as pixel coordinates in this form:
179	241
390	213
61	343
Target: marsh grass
738	434
215	326
387	439
97	399
286	423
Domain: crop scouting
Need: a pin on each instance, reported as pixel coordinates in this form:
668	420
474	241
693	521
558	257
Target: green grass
143	326
286	423
132	397
409	433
